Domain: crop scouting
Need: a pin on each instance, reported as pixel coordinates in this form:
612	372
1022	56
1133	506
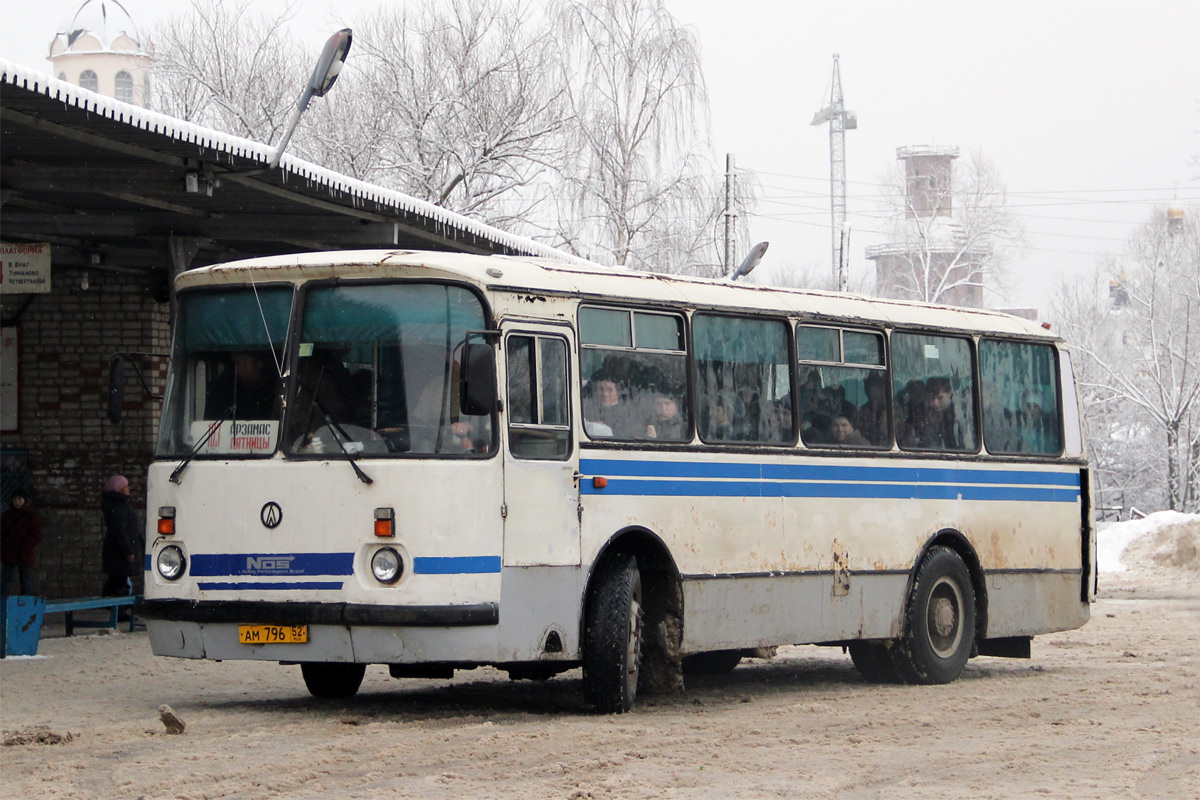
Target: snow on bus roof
593	281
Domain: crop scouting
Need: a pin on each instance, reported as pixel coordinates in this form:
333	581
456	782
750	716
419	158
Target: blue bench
70	605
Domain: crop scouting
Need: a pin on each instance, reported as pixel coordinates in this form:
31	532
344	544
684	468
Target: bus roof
523	274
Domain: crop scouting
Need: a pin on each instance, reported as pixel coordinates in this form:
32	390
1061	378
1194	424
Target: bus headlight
386	565
172	563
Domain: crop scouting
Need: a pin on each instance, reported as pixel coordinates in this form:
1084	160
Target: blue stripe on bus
875	491
455	565
211	565
652	478
224	586
831	472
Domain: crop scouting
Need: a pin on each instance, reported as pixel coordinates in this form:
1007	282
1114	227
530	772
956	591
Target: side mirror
477	385
116	389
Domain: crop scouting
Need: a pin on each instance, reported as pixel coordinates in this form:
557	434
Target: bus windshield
378	372
224	382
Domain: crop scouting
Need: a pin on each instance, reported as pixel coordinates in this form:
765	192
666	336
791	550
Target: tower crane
840	120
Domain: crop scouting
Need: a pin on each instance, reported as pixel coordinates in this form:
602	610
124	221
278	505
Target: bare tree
226	66
950	233
641	190
466	104
1141	362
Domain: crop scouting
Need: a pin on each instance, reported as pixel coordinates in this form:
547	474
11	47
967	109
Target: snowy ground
1108	711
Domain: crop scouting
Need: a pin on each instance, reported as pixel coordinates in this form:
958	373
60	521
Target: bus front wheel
612	651
939	621
332	681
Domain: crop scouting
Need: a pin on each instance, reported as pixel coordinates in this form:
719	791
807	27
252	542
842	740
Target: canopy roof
112	185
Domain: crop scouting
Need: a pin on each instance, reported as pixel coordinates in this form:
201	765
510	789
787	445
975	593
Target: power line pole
840	120
730	194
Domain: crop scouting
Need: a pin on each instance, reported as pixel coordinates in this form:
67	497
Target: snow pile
1163	539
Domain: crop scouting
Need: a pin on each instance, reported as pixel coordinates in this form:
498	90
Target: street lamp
752	260
329	66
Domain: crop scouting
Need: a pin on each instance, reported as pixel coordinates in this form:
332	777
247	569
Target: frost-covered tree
950	229
228	66
640	190
457	102
1139	363
580	123
466	103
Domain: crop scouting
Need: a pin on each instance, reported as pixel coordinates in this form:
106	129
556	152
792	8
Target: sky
1090	111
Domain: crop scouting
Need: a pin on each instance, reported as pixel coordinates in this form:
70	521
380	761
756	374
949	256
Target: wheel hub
943	617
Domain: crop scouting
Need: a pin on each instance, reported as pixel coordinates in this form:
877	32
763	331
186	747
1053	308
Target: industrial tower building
930	259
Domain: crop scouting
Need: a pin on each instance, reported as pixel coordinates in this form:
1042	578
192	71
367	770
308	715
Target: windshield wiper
341	437
175	475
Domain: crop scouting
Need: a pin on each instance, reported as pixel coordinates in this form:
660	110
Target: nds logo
269	563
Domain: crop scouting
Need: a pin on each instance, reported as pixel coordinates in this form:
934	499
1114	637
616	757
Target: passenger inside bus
842	432
666	423
604	407
1036	428
871	417
823	405
928	421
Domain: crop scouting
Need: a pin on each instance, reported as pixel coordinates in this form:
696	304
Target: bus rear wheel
612	646
939	621
332	681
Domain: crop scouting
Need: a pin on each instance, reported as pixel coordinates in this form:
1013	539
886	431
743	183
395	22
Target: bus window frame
1056	360
537	336
694	379
299	306
976	393
884	369
189	400
686	401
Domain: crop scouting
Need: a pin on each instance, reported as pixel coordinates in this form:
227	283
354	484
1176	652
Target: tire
332	681
939	621
873	661
612	645
715	662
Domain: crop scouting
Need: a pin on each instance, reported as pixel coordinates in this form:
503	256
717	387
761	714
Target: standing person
123	538
20	534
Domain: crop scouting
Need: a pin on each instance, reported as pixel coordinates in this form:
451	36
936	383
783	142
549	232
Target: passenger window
863	348
743	385
538	421
1020	402
842	405
633	375
934	392
818	344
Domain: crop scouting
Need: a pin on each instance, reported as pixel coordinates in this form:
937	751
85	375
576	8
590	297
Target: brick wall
66	339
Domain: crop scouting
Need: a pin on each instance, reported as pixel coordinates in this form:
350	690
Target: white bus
440	461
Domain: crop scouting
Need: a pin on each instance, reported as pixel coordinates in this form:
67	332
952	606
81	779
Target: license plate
272	634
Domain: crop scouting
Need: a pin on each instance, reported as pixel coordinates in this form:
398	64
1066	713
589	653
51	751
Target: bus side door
541	456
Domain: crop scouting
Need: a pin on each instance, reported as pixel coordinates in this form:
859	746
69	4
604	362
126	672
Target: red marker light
599	483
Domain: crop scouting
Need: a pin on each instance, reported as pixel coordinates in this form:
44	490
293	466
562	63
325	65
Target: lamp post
328	67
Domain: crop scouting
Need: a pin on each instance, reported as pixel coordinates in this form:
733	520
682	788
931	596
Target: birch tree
1142	362
640	189
949	240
